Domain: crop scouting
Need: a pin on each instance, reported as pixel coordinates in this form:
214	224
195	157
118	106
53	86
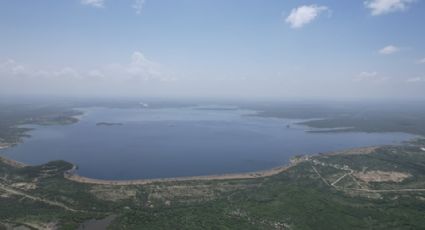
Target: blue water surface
172	142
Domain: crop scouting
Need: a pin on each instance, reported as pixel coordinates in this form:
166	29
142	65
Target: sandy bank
71	174
4	146
12	163
249	175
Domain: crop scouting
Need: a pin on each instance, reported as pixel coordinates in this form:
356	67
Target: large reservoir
133	143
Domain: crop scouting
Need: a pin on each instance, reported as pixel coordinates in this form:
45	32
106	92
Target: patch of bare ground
29	225
4	194
420	198
113	193
4	145
181	191
15	226
240	214
41	226
24	186
354	151
12	163
20	193
191	192
381	176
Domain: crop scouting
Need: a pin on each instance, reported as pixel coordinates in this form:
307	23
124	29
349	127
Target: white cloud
422	61
142	67
12	68
139	67
379	7
370	76
95	3
138	75
390	49
366	75
95	74
304	14
416	79
138	5
66	72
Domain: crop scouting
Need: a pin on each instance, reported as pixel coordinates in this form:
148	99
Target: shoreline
72	175
12	163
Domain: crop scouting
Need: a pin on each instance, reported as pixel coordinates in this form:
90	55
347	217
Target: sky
314	49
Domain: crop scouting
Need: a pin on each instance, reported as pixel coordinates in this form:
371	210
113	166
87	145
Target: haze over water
184	141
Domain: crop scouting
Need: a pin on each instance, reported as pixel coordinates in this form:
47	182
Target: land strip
12	163
249	175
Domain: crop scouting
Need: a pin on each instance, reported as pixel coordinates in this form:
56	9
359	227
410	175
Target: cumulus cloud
95	74
366	75
304	14
11	67
369	76
13	70
139	67
138	5
416	79
138	74
94	3
390	49
142	67
66	72
379	7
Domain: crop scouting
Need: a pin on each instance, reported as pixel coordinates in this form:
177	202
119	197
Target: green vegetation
368	188
365	117
108	124
13	116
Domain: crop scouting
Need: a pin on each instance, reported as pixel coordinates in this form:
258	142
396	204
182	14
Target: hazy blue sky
243	48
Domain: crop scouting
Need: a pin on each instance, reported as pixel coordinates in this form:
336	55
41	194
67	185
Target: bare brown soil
381	176
12	163
355	151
